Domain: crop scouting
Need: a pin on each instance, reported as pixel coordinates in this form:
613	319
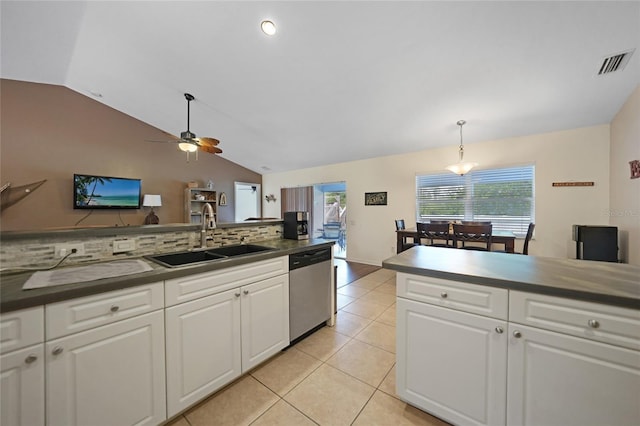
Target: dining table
497	237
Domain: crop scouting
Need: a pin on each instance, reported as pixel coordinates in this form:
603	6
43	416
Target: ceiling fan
188	141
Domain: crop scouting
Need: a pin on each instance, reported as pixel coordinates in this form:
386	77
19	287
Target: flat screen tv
105	192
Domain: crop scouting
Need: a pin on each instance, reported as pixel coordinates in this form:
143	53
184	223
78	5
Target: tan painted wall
574	155
50	132
625	192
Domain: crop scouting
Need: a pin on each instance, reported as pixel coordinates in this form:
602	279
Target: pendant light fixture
461	167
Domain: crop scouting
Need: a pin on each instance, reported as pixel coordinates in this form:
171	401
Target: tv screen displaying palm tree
105	192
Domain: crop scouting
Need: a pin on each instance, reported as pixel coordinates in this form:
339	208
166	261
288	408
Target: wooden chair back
466	234
525	248
435	232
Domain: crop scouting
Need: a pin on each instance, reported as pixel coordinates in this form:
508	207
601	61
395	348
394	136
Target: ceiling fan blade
207	141
211	149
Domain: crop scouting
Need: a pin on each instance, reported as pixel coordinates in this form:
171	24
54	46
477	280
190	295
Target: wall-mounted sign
375	198
635	169
572	184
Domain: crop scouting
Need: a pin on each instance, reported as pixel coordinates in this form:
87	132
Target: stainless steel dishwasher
309	291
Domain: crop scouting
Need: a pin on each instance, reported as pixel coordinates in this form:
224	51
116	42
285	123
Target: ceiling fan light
187	147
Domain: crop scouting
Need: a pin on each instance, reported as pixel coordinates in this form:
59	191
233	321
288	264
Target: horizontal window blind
504	196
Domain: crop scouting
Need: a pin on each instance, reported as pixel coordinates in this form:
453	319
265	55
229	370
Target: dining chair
435	231
525	247
400	226
476	222
527	238
472	234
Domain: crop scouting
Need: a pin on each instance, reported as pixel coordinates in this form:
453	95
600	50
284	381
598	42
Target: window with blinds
503	196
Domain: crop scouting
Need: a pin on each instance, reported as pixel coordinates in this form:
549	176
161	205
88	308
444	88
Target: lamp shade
152	200
461	168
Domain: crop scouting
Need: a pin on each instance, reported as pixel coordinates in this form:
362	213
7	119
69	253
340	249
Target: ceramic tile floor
342	375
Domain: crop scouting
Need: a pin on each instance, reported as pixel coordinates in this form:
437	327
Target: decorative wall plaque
572	184
375	198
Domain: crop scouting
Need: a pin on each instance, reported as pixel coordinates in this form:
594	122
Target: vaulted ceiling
340	80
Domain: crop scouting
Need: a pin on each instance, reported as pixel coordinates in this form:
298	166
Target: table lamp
152	201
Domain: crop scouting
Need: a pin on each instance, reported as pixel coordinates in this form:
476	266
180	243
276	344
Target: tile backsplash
41	252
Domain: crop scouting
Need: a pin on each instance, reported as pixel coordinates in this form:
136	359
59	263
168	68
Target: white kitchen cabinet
109	375
203	348
214	339
22	387
22	367
265	320
557	379
451	363
558	361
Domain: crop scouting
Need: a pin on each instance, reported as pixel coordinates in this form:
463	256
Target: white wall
625	192
574	155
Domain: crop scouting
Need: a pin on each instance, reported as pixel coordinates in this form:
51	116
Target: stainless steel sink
174	260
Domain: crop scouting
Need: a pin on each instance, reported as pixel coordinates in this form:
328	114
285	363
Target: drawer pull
499	330
114	308
57	350
444	295
517	334
237	294
593	323
30	359
246	291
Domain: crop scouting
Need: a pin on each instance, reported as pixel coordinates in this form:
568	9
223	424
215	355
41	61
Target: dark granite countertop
12	297
602	282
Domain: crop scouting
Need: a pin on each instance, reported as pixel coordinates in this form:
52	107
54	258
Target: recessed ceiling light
268	27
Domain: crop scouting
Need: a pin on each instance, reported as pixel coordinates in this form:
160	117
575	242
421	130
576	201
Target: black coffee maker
296	225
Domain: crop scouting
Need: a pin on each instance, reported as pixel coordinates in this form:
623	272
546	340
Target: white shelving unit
193	205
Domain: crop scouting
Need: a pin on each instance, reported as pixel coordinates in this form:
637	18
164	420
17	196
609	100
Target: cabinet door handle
114	308
31	358
499	330
444	295
57	350
517	334
237	294
593	323
246	291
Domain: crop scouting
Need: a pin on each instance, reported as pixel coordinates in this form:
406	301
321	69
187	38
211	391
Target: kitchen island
495	338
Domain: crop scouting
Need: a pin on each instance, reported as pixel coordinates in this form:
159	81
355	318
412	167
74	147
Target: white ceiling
341	80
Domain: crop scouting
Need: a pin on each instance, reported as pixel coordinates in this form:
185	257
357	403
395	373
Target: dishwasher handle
300	260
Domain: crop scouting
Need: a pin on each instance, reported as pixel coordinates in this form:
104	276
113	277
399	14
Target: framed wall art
375	198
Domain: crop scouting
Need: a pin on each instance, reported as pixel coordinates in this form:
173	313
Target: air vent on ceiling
615	62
